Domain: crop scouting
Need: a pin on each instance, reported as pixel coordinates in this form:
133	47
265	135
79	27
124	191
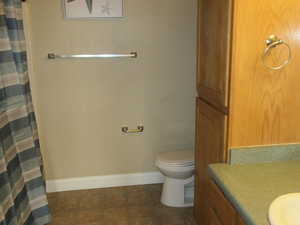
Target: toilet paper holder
126	130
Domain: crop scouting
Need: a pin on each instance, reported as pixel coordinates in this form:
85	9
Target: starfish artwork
89	4
93	8
106	8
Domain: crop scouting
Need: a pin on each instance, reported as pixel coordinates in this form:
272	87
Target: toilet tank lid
177	157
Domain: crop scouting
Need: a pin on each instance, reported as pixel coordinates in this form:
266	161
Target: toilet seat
182	158
175	165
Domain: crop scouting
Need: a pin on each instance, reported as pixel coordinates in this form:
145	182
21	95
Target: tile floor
133	205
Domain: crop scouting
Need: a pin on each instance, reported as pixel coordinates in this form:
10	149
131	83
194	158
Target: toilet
178	168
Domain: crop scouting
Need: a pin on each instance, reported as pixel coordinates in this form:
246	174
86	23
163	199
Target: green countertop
252	187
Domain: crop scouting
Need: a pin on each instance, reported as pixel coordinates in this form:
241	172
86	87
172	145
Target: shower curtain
22	190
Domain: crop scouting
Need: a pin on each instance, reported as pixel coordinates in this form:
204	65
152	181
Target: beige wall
82	104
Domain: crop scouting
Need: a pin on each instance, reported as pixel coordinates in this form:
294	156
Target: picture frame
93	9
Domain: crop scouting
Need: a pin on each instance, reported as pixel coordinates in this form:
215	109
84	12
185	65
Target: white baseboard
82	183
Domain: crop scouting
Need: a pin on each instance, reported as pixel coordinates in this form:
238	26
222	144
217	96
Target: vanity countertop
252	187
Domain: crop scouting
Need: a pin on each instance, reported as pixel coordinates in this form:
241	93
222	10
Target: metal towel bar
126	130
66	56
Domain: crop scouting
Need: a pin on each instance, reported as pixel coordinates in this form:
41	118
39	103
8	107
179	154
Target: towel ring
273	42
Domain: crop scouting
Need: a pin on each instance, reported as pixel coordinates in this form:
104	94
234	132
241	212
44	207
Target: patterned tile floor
134	205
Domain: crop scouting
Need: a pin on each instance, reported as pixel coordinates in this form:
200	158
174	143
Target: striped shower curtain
22	191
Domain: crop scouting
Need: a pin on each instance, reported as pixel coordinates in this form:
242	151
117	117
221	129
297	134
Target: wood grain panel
212	218
265	104
240	221
214	22
210	148
221	206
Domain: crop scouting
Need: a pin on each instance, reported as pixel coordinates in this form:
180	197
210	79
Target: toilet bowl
178	168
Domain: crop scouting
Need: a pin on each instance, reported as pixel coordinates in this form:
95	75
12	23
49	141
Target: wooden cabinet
210	142
214	51
213	218
220	210
241	102
240	221
264	104
220	205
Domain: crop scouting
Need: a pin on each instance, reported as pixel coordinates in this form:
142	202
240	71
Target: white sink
285	210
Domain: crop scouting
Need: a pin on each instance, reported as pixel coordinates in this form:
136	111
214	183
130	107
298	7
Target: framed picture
93	8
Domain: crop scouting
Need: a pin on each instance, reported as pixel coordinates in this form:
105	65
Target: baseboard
82	183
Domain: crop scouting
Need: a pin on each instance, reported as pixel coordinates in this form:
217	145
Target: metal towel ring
272	42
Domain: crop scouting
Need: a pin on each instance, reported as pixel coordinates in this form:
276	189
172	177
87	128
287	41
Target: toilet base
178	192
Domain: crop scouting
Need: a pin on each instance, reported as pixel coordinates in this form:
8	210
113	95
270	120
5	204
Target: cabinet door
212	218
210	148
240	221
220	205
265	103
214	26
